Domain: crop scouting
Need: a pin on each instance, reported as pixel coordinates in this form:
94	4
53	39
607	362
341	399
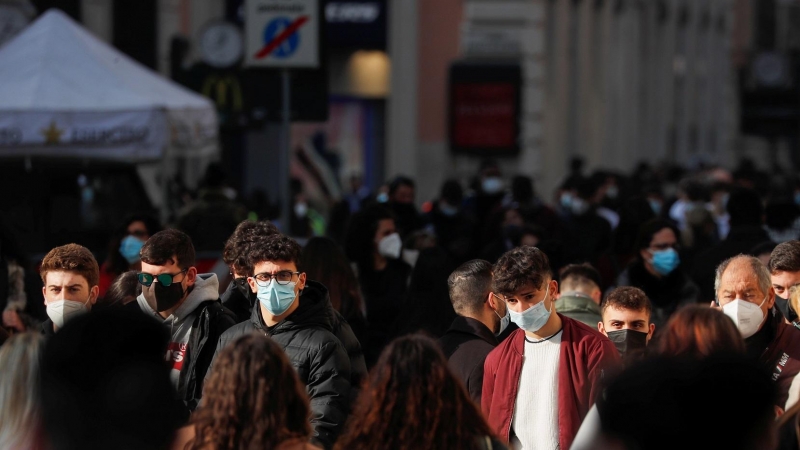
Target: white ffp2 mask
62	311
747	316
390	246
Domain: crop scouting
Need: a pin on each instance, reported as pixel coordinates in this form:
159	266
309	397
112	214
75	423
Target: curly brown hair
246	235
277	247
518	267
253	399
413	400
71	258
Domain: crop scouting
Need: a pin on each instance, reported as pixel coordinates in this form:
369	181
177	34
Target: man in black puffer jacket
240	299
296	313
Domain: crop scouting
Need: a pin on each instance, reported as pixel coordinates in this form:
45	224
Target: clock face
221	44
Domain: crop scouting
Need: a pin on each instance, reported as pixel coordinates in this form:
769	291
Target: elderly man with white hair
744	293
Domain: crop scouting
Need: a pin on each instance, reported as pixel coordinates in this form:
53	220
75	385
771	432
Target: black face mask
244	288
167	297
628	342
786	308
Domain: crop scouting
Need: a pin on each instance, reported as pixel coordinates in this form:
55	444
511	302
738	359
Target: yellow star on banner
52	134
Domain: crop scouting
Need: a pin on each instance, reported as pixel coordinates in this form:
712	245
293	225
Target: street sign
282	33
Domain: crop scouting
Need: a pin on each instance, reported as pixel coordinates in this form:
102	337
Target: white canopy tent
66	93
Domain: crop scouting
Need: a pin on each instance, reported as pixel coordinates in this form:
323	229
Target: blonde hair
19	389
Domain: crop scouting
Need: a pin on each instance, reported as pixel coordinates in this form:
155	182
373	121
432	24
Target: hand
12	321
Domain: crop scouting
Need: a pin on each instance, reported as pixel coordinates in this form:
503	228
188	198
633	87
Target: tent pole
285	151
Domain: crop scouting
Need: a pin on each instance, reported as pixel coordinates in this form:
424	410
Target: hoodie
185	327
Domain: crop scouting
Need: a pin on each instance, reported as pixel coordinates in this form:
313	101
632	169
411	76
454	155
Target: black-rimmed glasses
283	277
164	279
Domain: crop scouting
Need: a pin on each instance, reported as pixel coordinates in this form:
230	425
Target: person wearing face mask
626	321
374	248
294	312
482	318
453	226
187	304
588	234
237	296
70	275
580	293
124	247
784	270
657	270
540	382
745	294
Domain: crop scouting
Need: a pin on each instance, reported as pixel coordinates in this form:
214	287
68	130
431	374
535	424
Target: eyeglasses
282	277
164	279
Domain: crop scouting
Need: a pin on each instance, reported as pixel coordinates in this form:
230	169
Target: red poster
484	115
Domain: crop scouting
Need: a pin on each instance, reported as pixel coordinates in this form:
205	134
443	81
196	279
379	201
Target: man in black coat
296	314
481	317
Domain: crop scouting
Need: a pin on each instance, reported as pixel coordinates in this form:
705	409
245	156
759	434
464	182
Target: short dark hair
785	257
124	288
469	285
518	267
162	246
71	258
648	229
626	297
247	234
277	247
400	180
581	273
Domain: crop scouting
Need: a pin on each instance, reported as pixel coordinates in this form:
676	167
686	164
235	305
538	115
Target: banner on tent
135	135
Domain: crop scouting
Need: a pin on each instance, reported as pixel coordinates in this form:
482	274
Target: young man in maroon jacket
539	383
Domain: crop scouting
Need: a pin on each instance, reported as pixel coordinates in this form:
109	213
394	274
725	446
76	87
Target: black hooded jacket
317	355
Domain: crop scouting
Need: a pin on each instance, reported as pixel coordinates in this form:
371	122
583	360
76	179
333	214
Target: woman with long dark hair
374	246
658	271
252	399
324	261
413	401
124	246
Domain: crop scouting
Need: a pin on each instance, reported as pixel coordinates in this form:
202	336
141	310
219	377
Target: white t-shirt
535	422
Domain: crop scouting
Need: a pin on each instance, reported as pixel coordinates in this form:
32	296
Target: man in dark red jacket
539	383
745	294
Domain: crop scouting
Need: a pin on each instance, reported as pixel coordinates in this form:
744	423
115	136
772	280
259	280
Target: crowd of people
656	310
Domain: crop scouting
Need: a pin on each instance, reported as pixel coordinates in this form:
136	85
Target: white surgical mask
62	311
746	315
533	318
390	246
504	321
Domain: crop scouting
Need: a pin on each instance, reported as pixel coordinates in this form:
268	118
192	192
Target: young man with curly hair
540	382
295	313
238	297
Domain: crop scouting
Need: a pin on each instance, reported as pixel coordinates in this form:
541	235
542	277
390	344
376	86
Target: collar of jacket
314	310
474	327
576	301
